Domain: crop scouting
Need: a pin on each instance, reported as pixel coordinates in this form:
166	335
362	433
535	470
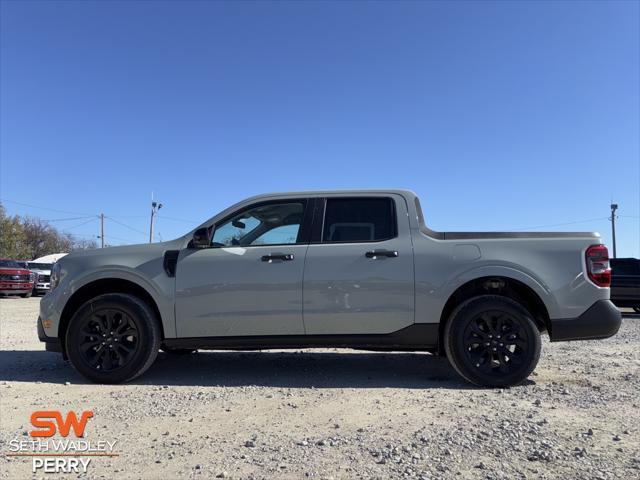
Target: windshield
9	264
40	266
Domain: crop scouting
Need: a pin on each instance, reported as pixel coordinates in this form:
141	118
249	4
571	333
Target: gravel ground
335	413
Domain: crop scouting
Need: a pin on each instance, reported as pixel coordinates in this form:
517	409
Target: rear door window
358	220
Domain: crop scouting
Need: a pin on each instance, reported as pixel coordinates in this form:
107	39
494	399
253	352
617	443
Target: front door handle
381	253
285	257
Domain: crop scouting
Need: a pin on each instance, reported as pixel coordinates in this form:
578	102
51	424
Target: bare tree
13	241
83	244
32	237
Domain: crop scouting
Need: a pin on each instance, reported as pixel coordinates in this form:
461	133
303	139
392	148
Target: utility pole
614	207
154	211
102	230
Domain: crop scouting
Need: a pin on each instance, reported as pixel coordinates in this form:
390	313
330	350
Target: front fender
160	288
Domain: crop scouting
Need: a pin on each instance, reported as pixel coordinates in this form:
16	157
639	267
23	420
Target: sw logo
46	424
48	428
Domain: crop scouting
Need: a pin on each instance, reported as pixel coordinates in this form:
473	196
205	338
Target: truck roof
320	193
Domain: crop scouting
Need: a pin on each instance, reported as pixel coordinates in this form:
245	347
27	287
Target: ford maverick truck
352	269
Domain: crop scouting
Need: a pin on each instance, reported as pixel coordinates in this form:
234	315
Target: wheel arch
99	287
496	285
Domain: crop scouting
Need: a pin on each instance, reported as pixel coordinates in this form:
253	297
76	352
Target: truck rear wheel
113	338
492	341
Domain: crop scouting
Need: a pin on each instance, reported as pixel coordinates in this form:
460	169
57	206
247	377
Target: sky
500	115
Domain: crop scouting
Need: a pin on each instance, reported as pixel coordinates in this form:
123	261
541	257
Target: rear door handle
381	253
285	257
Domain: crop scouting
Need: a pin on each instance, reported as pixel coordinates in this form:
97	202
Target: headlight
55	275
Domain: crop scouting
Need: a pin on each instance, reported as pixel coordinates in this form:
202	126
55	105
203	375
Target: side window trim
305	225
320	239
324	214
315	230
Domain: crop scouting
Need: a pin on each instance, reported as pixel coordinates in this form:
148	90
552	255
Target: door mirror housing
201	238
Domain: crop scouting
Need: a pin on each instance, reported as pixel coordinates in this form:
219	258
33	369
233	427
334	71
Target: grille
9	277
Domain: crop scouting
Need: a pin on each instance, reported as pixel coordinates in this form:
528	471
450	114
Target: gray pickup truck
354	269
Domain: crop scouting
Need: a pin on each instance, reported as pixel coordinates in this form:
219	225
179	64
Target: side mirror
201	238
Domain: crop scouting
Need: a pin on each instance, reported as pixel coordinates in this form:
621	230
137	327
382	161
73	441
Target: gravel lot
335	413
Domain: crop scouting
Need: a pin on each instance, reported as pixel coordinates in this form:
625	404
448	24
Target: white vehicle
42	268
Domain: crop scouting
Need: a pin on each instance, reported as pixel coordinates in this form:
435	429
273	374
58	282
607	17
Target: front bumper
601	320
15	288
51	344
15	291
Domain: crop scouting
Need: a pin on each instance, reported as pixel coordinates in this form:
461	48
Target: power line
563	224
80	224
113	217
121	239
184	220
42	208
82	217
85	235
127	226
66	219
159	216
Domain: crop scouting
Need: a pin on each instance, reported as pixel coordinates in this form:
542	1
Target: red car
14	280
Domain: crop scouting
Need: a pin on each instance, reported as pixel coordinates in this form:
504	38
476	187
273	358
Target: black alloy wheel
108	339
113	338
492	341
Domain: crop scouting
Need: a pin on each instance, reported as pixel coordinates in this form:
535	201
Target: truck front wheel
492	341
113	338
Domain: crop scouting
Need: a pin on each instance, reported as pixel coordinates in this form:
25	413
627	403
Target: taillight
598	267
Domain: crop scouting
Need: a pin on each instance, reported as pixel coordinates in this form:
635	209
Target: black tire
103	322
492	341
26	295
177	351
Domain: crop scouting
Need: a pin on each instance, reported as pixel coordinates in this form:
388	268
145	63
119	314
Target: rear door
358	276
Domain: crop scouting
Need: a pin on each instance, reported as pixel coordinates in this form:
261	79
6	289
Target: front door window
270	224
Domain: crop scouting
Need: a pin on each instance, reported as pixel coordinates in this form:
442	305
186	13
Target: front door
359	279
249	282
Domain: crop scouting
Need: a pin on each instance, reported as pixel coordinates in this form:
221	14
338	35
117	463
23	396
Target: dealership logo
47	428
71	452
